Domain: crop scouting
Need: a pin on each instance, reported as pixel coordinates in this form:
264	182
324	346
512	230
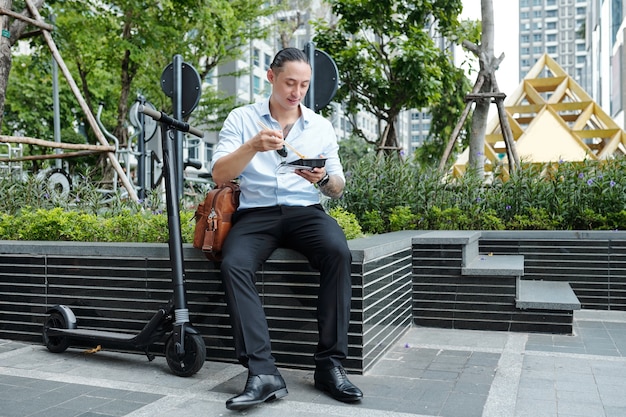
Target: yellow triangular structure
552	119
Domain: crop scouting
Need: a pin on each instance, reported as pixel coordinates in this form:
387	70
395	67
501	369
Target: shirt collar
306	112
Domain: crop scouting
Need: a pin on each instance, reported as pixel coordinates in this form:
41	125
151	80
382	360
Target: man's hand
313	176
267	140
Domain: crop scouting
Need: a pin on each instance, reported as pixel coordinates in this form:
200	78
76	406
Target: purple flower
589	181
508	207
612	183
478	199
581	175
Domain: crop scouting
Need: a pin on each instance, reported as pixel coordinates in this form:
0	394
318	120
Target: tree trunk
13	33
128	71
121	131
5	55
481	112
388	143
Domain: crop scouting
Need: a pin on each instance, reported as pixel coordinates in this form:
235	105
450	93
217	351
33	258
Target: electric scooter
185	350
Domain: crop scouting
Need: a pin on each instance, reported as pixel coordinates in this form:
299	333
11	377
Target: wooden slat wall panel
119	289
443	297
595	269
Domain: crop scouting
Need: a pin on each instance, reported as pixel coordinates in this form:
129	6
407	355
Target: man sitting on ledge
280	207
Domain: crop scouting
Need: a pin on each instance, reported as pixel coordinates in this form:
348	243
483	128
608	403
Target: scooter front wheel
191	361
55	344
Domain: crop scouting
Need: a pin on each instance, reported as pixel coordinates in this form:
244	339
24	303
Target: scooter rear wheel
55	344
192	360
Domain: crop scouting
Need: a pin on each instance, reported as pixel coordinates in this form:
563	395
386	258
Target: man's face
290	83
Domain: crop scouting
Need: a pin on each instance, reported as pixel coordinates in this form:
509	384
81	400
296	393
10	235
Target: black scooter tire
55	344
192	361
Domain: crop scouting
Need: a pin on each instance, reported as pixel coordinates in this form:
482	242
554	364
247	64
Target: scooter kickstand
149	355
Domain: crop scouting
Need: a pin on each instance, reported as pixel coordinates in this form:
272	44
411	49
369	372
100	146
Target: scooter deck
87	334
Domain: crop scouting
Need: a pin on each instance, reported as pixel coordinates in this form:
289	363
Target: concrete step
545	295
495	265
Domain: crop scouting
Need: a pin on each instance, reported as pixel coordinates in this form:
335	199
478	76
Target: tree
290	16
138	45
387	58
15	29
484	92
444	115
481	111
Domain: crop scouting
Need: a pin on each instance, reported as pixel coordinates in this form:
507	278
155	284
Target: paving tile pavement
428	372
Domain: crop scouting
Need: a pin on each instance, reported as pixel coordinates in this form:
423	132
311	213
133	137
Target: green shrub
347	222
382	194
401	218
534	219
373	222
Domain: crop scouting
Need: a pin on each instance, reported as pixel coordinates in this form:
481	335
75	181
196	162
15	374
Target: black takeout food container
309	162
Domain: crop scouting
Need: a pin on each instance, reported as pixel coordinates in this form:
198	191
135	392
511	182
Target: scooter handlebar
176	124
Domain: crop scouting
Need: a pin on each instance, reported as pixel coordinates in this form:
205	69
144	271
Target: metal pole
309	50
55	104
141	150
177	99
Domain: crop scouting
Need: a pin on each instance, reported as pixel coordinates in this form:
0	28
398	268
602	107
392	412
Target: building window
257	84
208	151
192	150
256	60
268	61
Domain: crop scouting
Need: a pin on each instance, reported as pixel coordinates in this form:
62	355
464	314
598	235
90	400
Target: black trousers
254	236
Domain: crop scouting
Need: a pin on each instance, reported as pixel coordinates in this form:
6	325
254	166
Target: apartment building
555	27
605	67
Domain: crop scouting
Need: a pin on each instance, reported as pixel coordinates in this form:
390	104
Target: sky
506	40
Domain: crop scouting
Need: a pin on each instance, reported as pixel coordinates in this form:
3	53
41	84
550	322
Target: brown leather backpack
213	219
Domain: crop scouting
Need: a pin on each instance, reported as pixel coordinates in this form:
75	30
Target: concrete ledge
498	265
117	287
467	240
545	295
447	237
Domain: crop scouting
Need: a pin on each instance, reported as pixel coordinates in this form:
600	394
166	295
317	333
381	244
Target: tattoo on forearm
333	188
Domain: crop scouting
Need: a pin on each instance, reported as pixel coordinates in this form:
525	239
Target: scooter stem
173	221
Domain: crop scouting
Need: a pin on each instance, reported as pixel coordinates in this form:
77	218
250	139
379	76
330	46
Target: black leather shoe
335	382
259	388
